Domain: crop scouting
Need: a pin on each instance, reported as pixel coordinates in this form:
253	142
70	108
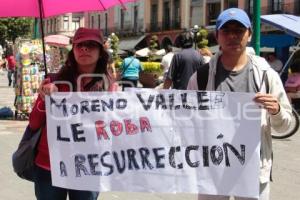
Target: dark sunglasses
87	44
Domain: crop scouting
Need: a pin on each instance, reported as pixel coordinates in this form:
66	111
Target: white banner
165	141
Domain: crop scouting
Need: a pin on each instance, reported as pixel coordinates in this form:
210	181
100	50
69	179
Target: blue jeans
10	74
45	191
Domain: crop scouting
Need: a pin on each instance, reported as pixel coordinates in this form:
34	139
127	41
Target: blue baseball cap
234	14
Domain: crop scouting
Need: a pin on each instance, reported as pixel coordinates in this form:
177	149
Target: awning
130	43
288	23
57	40
145	52
277	40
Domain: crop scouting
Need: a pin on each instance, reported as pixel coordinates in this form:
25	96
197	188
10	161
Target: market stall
30	71
29	74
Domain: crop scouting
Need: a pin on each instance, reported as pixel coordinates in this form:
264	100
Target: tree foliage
11	28
115	46
202	40
153	47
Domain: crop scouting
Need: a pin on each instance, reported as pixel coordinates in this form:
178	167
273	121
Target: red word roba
116	128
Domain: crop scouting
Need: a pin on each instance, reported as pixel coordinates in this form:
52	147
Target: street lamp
195	30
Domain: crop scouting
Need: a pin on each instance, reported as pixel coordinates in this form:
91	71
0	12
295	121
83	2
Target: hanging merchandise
28	77
56	59
58	51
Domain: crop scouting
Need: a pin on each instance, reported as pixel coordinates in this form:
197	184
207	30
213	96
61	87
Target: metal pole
42	31
290	58
256	26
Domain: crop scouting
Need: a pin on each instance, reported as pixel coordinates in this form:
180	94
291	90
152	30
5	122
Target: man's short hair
187	40
131	52
168	48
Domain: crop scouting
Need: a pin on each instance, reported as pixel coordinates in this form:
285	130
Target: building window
106	24
75	23
250	7
122	18
66	23
277	6
99	21
55	25
58	25
48	26
135	19
154	17
213	11
51	25
233	3
176	14
92	22
166	16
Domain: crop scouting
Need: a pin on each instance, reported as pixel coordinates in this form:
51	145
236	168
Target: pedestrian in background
87	57
131	68
11	67
166	60
274	62
292	84
235	70
183	64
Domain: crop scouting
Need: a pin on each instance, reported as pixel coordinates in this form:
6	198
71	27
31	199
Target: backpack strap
202	76
126	67
265	82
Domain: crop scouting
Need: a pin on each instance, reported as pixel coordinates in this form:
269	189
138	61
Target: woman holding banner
84	70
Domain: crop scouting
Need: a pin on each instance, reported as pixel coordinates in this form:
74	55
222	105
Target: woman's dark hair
131	52
69	72
9	52
168	48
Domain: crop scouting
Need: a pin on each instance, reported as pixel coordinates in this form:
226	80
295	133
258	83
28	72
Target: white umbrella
143	52
57	40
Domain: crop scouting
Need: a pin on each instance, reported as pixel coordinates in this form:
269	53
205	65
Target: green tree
11	28
115	46
153	47
202	38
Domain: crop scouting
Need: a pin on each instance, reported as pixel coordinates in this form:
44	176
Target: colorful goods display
30	71
28	76
55	59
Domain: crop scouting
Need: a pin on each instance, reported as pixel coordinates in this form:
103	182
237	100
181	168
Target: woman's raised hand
46	88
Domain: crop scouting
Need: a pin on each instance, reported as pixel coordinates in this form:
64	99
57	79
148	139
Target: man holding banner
232	69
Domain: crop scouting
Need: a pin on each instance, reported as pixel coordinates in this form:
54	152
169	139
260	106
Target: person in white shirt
233	69
274	62
166	60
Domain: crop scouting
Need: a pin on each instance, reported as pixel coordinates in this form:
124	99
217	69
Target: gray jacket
279	122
